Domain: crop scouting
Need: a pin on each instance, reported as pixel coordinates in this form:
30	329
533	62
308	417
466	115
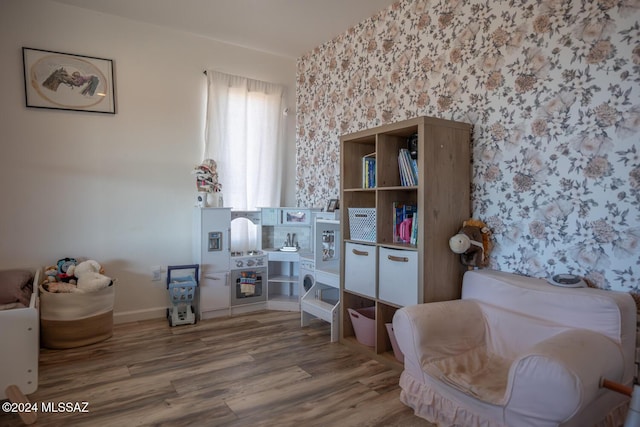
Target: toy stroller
182	292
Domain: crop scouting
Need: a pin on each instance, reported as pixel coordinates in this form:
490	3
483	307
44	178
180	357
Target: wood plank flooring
259	369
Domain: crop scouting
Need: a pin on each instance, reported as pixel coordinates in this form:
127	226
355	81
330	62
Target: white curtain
245	136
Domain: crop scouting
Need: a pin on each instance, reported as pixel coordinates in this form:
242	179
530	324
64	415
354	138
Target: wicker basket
69	320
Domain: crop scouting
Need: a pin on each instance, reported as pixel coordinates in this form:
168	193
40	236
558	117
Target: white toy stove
248	259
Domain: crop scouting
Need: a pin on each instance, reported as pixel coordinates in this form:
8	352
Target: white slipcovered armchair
516	351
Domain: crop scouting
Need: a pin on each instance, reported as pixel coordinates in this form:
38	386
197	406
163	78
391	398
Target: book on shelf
369	171
403	217
408	168
414	231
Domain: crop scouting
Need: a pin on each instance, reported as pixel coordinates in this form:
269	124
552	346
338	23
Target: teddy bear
51	273
472	243
89	277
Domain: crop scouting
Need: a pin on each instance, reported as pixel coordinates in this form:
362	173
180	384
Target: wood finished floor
260	369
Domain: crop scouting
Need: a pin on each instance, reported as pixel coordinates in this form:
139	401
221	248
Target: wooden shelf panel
284	279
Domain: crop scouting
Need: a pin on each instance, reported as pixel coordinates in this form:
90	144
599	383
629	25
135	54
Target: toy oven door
248	286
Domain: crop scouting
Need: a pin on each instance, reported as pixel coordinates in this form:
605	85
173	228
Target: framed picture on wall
65	81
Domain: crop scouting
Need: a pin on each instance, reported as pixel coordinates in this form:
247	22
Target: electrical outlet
156	273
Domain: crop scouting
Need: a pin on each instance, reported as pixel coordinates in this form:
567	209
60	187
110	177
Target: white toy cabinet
212	250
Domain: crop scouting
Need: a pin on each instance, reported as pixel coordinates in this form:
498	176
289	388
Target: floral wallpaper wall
552	88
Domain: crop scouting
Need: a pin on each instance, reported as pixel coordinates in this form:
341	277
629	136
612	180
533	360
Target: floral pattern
552	88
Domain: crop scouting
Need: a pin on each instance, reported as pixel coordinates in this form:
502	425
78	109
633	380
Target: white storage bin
360	269
362	224
398	276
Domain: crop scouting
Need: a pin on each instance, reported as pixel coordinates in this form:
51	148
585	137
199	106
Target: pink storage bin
364	322
394	344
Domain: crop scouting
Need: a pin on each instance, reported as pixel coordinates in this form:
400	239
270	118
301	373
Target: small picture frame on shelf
333	205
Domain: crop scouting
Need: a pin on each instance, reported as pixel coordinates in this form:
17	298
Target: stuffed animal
64	264
89	276
472	243
50	274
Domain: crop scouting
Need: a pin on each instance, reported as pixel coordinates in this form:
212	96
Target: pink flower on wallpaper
597	168
387	116
498	131
372	46
424	21
600	52
606	115
603	231
445	19
455	55
522	182
525	83
634	178
542	24
492	174
423	100
500	37
427	64
374	83
537	230
539	127
444	102
496	224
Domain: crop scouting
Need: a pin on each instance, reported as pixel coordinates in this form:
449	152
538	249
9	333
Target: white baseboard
161	312
137	315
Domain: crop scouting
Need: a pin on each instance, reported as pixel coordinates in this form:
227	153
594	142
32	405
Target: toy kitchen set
265	270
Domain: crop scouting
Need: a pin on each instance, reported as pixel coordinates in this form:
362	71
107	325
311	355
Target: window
244	135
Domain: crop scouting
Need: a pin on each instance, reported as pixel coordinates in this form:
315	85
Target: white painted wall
115	188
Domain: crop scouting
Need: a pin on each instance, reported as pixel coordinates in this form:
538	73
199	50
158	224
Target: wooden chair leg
16	396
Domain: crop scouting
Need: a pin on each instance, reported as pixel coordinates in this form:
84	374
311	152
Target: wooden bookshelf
429	270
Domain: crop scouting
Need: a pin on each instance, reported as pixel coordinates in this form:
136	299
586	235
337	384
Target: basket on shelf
362	224
364	324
